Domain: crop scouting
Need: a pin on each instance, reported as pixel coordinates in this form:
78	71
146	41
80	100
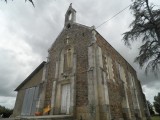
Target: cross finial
71	5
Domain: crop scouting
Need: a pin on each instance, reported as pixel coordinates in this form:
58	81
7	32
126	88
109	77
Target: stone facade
85	77
36	78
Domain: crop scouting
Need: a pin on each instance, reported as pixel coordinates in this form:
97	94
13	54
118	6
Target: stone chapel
84	78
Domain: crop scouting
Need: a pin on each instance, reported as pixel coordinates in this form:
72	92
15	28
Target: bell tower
70	16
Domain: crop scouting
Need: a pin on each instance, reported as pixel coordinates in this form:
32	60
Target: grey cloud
5	91
7	101
12	72
38	28
6	74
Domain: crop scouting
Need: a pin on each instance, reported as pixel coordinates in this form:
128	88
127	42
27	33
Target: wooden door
65	99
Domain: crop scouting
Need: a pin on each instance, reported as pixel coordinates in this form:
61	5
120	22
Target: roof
31	75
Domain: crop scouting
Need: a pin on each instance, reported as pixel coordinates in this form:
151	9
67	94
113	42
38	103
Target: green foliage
156	118
25	1
5	112
157	103
150	107
145	28
30	1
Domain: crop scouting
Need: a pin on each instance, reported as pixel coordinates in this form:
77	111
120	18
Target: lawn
156	118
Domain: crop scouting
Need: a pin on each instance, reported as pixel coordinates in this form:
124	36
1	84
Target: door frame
68	87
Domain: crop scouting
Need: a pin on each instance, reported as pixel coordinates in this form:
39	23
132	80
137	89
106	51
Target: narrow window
68	59
130	79
70	16
121	72
109	68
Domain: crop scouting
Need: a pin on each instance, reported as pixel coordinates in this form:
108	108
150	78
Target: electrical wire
113	16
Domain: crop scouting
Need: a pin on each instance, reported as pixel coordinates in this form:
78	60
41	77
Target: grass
156	118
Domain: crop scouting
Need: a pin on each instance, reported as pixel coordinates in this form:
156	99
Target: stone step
46	117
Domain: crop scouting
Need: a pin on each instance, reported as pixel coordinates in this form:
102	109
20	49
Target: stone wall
33	81
116	89
77	38
81	39
47	117
18	103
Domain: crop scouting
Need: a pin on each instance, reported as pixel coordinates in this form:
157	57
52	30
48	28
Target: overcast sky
26	34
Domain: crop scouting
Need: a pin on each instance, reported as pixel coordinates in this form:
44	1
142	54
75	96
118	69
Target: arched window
68	58
69	15
68	55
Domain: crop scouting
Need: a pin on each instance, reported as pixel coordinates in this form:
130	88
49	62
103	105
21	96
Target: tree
150	107
25	1
145	28
157	103
5	112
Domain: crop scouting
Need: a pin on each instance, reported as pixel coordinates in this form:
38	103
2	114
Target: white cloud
7	101
150	92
